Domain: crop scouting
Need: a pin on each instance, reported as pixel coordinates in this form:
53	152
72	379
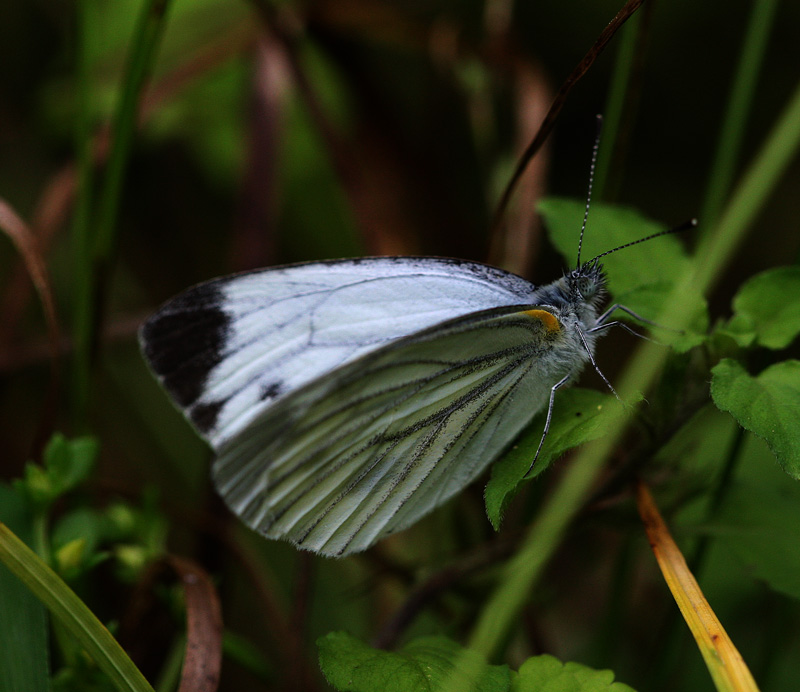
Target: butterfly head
586	285
587	282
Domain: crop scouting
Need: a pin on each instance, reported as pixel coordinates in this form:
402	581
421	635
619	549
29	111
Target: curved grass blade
73	613
725	664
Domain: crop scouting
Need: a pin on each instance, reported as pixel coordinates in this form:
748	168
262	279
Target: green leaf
24	646
426	663
688	331
548	674
760	523
65	464
421	666
658	260
76	539
69	462
87	524
641	277
766	310
579	416
37	486
766	405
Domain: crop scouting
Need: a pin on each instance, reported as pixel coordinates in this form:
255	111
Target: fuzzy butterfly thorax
576	296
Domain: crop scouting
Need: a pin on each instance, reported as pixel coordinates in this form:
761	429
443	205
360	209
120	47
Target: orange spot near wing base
549	320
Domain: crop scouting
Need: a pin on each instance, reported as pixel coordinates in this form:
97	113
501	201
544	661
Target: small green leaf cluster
74	539
429	663
766	315
65	464
47	509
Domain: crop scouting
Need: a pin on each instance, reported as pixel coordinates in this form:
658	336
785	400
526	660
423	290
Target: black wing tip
185	339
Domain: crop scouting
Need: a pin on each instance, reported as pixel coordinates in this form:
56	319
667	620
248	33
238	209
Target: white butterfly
346	399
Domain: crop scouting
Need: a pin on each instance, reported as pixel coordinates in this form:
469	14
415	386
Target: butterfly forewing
229	349
334	466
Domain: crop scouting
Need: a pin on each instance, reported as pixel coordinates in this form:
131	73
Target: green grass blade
24	645
73	613
740	102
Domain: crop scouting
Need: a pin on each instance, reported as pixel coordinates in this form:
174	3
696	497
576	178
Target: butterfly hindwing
333	466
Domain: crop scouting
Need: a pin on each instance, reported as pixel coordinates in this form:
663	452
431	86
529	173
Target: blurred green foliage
369	126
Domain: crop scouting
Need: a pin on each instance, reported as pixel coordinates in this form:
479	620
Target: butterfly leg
601	320
617	323
553	389
594	364
618	306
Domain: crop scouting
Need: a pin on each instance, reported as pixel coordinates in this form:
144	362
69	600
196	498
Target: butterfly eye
587	287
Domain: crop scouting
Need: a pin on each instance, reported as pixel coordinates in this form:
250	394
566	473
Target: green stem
618	89
82	255
170	676
93	251
546	534
732	459
750	195
40	539
247	655
65	605
738	109
140	63
607	636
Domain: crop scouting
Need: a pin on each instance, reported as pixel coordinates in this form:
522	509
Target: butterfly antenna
691	223
591	181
